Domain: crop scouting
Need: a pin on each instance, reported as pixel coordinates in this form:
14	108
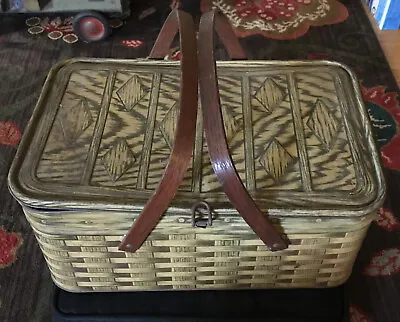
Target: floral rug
332	30
278	19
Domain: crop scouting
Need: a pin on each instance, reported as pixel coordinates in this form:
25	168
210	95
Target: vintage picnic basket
279	192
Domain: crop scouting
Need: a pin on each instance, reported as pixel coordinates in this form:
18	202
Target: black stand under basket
310	305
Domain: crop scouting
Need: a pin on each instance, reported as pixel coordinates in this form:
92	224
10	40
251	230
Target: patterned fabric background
278	19
29	47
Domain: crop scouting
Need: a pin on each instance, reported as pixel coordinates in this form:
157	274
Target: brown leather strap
215	133
225	33
186	126
167	34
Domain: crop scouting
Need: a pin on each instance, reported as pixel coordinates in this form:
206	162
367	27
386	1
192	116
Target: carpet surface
27	54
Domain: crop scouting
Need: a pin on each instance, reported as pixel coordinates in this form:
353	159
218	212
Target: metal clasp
199	211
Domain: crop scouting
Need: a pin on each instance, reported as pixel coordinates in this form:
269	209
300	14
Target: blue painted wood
387	14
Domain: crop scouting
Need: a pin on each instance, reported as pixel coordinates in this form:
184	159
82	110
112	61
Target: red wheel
91	26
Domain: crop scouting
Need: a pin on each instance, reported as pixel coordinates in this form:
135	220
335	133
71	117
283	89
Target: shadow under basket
301	305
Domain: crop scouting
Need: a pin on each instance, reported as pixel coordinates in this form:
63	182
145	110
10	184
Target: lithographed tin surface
102	132
101	135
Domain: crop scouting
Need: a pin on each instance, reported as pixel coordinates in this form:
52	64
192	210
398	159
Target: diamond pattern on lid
276	159
131	92
323	124
270	94
232	124
168	125
74	120
118	159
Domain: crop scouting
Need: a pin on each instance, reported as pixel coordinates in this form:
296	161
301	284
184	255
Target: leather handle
186	127
215	133
225	32
167	34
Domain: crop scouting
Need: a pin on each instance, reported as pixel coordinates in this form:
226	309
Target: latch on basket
199	211
204	79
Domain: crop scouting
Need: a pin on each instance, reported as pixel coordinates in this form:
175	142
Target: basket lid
101	134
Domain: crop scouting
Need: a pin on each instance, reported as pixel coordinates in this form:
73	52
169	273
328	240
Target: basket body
227	256
101	136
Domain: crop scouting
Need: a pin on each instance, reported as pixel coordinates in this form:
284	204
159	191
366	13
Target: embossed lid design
102	132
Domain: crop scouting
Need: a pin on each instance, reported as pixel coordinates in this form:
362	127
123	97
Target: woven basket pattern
101	137
199	261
